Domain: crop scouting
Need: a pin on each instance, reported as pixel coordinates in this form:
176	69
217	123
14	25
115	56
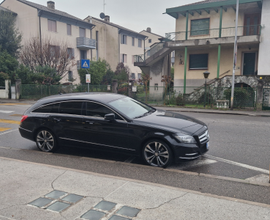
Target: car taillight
23	118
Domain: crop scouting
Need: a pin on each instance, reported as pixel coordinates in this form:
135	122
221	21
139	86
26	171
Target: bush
241	96
3	77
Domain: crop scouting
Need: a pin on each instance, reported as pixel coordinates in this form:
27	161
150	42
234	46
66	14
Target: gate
266	99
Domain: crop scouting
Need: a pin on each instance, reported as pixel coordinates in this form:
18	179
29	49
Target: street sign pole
85	64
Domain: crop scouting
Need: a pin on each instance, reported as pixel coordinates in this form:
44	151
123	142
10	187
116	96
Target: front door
249	64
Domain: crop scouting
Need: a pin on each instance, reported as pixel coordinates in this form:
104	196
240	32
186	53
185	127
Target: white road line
8	131
7	112
238	164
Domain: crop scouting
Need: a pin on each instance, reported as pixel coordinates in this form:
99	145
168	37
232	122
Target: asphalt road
239	149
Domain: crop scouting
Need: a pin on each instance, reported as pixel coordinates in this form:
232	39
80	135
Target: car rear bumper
26	133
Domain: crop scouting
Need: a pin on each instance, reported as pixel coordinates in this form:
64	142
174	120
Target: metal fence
157	95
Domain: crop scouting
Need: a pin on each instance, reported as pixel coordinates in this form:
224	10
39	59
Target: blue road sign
85	64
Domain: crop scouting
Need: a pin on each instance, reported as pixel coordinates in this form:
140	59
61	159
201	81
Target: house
46	22
116	44
203	40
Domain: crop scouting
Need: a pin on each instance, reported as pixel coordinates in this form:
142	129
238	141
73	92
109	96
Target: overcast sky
136	15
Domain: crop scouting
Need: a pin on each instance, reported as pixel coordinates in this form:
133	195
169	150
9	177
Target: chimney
148	29
50	5
107	18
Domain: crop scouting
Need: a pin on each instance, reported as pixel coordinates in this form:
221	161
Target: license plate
207	145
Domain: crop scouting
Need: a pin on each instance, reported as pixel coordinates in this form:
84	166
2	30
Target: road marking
238	164
7	112
9	121
8	131
4	129
14	104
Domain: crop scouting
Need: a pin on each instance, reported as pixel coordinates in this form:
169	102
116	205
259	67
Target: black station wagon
107	121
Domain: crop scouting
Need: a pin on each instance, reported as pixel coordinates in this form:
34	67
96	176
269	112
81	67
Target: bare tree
47	53
145	79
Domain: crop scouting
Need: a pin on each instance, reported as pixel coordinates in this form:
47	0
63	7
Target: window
52	25
156	86
124	39
68	29
149	41
123	58
70	52
133	41
54	51
97	110
132	75
83	54
199	27
82	32
198	61
70	76
139	43
53	108
74	108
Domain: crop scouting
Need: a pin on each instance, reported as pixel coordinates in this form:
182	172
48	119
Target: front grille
204	137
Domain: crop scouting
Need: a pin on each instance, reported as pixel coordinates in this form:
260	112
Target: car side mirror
109	117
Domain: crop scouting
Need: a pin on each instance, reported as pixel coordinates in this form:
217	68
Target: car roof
102	97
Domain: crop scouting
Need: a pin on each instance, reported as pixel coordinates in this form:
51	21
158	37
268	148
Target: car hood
171	121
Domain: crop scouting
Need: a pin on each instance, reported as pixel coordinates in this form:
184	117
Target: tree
145	80
8	65
10	38
97	70
47	54
122	73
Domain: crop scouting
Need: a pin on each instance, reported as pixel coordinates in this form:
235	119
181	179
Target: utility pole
234	52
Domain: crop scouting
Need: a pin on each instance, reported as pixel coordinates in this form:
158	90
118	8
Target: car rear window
74	108
51	108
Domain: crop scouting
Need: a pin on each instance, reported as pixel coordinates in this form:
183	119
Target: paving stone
128	211
40	202
105	205
72	198
58	206
93	215
116	217
56	194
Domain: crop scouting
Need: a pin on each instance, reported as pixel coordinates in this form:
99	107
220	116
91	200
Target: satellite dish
102	15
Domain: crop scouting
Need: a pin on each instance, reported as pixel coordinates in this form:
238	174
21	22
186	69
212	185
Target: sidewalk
31	191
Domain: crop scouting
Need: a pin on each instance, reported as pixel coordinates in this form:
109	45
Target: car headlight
184	138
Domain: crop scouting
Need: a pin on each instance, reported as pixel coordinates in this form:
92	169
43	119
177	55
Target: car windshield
131	108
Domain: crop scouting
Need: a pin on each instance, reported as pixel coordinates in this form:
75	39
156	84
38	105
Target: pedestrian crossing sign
85	64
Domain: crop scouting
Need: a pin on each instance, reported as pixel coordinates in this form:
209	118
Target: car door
106	134
69	122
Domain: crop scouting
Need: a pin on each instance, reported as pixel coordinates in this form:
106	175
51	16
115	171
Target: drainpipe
219	46
185	66
39	16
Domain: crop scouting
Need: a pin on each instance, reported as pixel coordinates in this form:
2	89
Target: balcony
84	43
250	30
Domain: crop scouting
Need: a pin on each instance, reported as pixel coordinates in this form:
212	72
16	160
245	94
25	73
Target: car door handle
57	119
89	122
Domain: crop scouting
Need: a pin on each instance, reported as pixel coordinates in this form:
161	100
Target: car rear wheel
46	141
157	153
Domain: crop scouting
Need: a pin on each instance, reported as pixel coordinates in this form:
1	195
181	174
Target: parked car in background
113	122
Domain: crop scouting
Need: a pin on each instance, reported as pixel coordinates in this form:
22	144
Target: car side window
51	108
97	110
73	108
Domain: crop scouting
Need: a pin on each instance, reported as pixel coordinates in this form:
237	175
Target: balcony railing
214	33
148	53
84	43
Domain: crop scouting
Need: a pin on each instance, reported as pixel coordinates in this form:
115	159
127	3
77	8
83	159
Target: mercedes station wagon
114	122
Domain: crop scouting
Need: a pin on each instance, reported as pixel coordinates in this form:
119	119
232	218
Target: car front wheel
45	141
157	153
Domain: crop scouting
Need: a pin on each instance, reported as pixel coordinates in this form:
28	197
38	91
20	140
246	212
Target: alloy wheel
157	154
45	141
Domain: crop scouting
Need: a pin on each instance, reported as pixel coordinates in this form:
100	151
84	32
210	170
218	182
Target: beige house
203	40
46	22
116	44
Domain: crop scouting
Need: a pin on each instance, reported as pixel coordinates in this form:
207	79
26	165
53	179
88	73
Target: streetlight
205	74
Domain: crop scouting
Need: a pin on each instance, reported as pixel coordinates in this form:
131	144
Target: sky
136	15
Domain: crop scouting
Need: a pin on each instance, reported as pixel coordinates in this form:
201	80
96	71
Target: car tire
157	153
46	141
